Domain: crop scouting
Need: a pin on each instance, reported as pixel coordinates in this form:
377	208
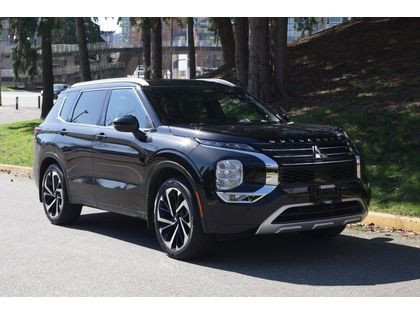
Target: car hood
254	132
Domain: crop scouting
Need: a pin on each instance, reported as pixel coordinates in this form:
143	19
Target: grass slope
364	77
16	142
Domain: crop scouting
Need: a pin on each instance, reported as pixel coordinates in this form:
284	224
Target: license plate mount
326	194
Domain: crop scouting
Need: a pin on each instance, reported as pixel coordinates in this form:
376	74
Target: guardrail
70	48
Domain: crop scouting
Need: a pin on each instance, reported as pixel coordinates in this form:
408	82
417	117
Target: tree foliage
65	33
24	54
305	25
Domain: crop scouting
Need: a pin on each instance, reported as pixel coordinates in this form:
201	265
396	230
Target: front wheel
55	198
177	223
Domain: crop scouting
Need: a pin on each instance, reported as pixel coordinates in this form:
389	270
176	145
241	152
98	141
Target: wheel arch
47	160
166	166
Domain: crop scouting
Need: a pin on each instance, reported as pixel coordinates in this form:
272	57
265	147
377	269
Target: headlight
227	145
229	174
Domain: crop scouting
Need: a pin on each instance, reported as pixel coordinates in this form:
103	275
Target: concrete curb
21	170
393	221
377	218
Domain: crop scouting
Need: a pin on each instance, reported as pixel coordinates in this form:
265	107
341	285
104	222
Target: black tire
55	198
178	239
325	233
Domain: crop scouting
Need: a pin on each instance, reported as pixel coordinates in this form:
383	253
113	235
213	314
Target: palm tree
191	47
241	33
260	75
156	39
47	67
83	51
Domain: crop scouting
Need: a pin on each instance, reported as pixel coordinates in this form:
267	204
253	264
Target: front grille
317	212
301	149
317	173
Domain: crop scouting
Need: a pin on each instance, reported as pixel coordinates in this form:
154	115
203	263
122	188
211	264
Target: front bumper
270	226
262	216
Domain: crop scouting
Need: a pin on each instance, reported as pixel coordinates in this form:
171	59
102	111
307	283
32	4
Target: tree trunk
241	32
225	30
146	38
191	48
83	51
156	36
47	67
259	78
280	49
172	43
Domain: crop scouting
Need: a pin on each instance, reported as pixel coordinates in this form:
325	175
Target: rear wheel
324	233
55	198
177	224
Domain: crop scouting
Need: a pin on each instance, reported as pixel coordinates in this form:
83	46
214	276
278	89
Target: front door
119	157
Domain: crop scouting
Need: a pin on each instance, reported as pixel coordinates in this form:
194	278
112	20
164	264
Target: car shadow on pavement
343	261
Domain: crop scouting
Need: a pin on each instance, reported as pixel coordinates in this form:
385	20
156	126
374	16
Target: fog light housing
358	167
229	174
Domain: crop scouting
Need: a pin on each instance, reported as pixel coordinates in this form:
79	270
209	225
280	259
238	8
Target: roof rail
116	80
220	81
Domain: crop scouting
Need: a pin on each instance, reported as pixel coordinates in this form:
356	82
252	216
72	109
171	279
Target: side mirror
129	123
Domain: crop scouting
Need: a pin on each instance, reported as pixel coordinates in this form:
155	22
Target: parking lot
27	109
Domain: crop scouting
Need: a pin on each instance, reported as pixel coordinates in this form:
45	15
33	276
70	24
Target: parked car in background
196	159
57	89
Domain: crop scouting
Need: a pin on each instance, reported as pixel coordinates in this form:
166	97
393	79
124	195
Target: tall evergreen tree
191	48
260	76
280	47
225	30
46	26
156	39
241	32
83	50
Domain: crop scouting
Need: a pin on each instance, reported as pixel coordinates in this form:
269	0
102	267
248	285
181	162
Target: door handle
63	132
100	136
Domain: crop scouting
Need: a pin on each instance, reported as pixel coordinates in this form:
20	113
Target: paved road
28	106
110	255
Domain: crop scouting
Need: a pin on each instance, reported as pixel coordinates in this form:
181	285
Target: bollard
39	101
17	102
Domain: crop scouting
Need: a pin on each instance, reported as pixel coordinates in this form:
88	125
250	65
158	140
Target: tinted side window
125	102
69	100
89	107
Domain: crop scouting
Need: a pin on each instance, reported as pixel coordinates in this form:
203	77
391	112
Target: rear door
75	140
119	157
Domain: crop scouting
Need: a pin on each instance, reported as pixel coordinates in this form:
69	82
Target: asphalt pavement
27	109
105	254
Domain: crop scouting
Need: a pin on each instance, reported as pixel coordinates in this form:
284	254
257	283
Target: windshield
203	105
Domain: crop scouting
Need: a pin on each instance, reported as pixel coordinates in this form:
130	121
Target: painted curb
393	221
21	170
377	218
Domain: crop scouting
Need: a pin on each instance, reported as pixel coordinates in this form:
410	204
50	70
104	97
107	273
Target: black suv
196	159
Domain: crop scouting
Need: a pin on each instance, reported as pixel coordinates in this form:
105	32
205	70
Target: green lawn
389	147
388	141
16	142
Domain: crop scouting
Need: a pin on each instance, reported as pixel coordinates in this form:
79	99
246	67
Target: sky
109	24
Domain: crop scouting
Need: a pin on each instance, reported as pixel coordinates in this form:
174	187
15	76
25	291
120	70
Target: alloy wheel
174	219
52	192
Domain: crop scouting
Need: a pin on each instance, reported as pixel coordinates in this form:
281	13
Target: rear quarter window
68	102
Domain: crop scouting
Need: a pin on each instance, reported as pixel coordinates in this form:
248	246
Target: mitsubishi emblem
317	153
